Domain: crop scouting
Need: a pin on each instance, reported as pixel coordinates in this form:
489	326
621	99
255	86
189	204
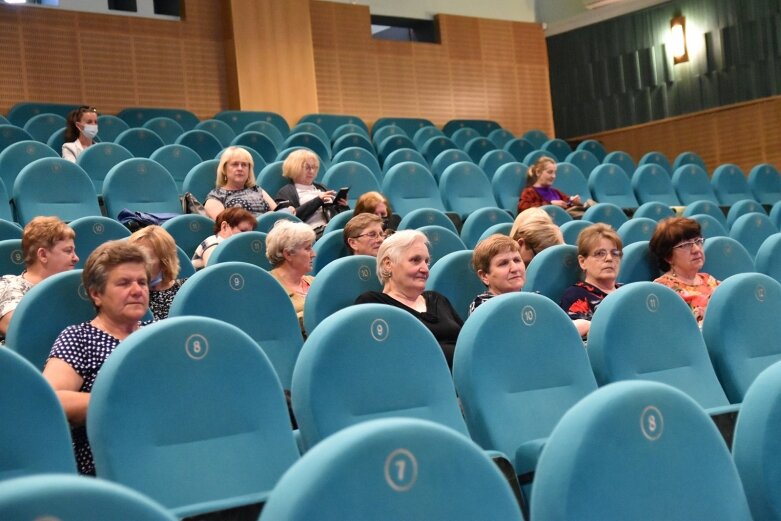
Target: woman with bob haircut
534	231
498	263
116	278
403	268
160	249
678	246
599	254
363	234
235	186
228	223
289	250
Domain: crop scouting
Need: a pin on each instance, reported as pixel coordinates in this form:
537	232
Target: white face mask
90	131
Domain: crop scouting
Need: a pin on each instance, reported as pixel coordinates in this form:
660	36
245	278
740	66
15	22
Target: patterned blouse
251	199
581	300
160	301
696	296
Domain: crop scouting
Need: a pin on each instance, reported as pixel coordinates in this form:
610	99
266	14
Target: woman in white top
80	132
307	197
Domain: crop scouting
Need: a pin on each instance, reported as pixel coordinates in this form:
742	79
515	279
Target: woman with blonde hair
235	186
314	203
534	231
539	189
160	249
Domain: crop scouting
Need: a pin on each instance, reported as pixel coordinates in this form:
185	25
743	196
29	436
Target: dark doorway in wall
168	7
123	5
404	29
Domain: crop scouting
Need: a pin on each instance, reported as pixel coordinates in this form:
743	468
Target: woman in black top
402	267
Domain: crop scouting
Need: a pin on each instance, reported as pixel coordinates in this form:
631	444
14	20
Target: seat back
20	113
445	159
42	126
137	116
651	182
741	208
706	208
363	156
10	230
40	439
465	189
54	186
507	184
638	264
354	176
337	286
391	144
92	231
535	137
57	496
651	446
248	247
492	160
636	229
239	119
178	160
267	221
11	257
519	365
730	184
410	186
140	184
219	129
622	159
251	299
570	230
423	134
500	136
60	298
571	181
328	248
654	210
98	159
741	317
519	148
17	156
382	133
751	230
203	143
258	142
593	146
454	277
426	217
400	466
501	229
768	257
435	146
158	420
462	135
10	134
338	221
607	213
765	183
139	141
724	257
165	127
688	158
691	183
366	362
479	221
656	158
552	271
352	140
110	127
189	230
755	446
201	179
441	241
558	148
267	129
584	160
409	125
479	147
709	226
646	331
557	214
610	184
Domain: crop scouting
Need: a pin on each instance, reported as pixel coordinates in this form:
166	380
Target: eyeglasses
372	235
238	164
602	254
688	245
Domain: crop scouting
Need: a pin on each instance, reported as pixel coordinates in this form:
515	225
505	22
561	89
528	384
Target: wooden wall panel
113	62
483	69
745	134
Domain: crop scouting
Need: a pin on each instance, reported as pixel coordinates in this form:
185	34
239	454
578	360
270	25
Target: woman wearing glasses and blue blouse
599	256
678	246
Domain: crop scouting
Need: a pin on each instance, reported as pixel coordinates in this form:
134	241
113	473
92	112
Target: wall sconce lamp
678	40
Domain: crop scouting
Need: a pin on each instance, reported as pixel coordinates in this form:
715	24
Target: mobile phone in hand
342	193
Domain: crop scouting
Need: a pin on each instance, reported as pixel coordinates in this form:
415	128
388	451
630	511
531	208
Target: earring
385	274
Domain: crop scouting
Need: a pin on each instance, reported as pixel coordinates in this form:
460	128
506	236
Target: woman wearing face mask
80	132
160	249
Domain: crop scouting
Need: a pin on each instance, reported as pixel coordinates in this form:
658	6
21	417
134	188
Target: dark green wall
618	73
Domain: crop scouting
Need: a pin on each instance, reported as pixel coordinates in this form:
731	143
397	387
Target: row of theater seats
520	371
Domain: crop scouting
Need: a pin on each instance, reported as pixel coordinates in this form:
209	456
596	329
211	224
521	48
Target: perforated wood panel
483	69
745	134
113	62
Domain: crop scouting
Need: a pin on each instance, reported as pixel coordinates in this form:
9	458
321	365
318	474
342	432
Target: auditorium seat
609	183
363	156
570	230
351	140
435	146
258	142
441	241
492	160
730	184
311	128
10	134
454	277
688	158
500	137
507	184
751	230
725	257
202	179
352	175
478	221
558	214
425	217
382	133
42	126
139	141
478	147
328	248
165	127
189	230
706	207
765	183
410	186
267	220
692	184
463	135
465	189
584	160
110	127
445	159
391	144
137	116
402	155
423	134
742	207
409	125
709	226
558	148
92	231
203	143
656	158
622	159
652	183
606	213
219	129
248	247
654	210
239	119
638	264
100	158
552	271
636	229
140	184
482	126
18	155
520	148
595	147
571	181
350	128
535	137
178	160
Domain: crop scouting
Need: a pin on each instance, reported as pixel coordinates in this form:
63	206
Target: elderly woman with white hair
403	268
289	249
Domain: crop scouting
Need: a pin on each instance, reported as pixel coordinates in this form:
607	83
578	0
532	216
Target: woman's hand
575	199
342	202
328	196
559	203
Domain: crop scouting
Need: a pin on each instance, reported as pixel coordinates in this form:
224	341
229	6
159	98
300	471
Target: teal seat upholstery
140	184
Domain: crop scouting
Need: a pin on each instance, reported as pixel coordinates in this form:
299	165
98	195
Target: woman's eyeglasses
602	254
372	235
688	245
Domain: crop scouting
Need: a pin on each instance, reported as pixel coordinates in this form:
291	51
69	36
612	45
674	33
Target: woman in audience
229	222
403	268
160	249
289	249
48	249
314	203
539	189
599	254
678	246
80	131
363	234
497	261
534	231
236	186
116	277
